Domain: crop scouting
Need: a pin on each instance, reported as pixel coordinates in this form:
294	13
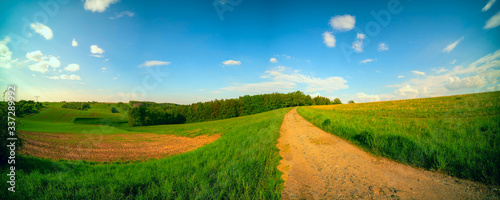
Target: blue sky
190	51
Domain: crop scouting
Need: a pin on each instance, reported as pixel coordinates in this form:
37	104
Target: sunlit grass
457	134
242	164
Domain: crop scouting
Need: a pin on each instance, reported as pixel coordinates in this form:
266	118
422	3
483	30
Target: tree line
76	105
150	113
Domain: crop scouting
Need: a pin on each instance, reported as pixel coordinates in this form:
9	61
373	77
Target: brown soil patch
108	148
320	165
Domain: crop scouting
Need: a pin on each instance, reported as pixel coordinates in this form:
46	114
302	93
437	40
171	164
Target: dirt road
320	165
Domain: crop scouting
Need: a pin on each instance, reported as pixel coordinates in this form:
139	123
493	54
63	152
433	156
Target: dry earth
320	165
108	148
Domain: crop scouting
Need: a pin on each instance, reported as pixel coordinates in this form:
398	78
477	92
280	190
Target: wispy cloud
401	76
418	73
488	5
366	61
154	63
74	43
122	14
358	44
43	30
343	22
367	98
231	62
451	46
273	60
493	21
329	39
383	47
5	54
453	61
440	70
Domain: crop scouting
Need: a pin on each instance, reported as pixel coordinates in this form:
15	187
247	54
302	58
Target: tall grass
459	135
242	164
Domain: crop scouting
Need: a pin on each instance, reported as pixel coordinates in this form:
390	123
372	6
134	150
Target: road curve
320	165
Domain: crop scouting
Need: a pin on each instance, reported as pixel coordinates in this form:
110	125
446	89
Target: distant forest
149	113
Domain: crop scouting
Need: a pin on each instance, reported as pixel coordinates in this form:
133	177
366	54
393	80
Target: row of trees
76	105
148	113
26	107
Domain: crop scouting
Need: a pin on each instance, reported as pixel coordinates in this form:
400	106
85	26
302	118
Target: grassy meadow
241	164
458	135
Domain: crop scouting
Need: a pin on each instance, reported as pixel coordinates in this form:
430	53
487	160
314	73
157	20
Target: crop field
74	154
458	135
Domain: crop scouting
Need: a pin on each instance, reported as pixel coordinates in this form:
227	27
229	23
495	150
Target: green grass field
459	135
242	164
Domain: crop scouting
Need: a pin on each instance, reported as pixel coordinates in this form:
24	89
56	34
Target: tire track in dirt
320	165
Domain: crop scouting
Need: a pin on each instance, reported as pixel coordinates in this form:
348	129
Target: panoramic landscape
234	99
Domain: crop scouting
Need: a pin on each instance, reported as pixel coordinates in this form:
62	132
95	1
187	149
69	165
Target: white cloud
451	46
154	63
343	22
328	39
231	62
94	49
41	67
70	77
407	91
122	14
74	43
440	70
98	5
366	61
97	55
383	47
115	78
285	80
362	97
314	84
35	56
5	54
418	73
42	63
52	77
456	83
453	61
273	60
358	44
494	88
488	5
476	75
72	67
43	30
104	68
401	76
493	21
261	87
54	62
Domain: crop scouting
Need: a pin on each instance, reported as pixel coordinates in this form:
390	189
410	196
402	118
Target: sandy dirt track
320	165
108	148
